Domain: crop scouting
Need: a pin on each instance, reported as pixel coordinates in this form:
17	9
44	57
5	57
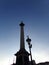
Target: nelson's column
22	56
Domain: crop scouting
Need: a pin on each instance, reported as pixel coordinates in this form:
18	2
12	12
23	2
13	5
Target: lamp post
30	46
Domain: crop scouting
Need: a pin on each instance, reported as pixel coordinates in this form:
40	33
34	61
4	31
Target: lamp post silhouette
28	40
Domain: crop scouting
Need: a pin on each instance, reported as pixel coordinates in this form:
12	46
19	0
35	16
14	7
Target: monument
22	56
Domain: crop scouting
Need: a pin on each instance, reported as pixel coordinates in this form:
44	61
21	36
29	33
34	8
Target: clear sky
35	14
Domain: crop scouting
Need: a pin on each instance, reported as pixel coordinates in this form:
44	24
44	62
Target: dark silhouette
43	63
30	46
22	56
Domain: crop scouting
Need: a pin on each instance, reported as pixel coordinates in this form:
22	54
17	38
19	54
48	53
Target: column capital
21	24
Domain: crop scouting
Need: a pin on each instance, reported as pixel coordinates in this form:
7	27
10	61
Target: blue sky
35	14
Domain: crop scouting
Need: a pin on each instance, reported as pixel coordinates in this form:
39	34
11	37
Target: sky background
35	15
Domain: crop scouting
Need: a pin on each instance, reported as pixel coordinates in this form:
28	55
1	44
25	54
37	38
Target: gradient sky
35	14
